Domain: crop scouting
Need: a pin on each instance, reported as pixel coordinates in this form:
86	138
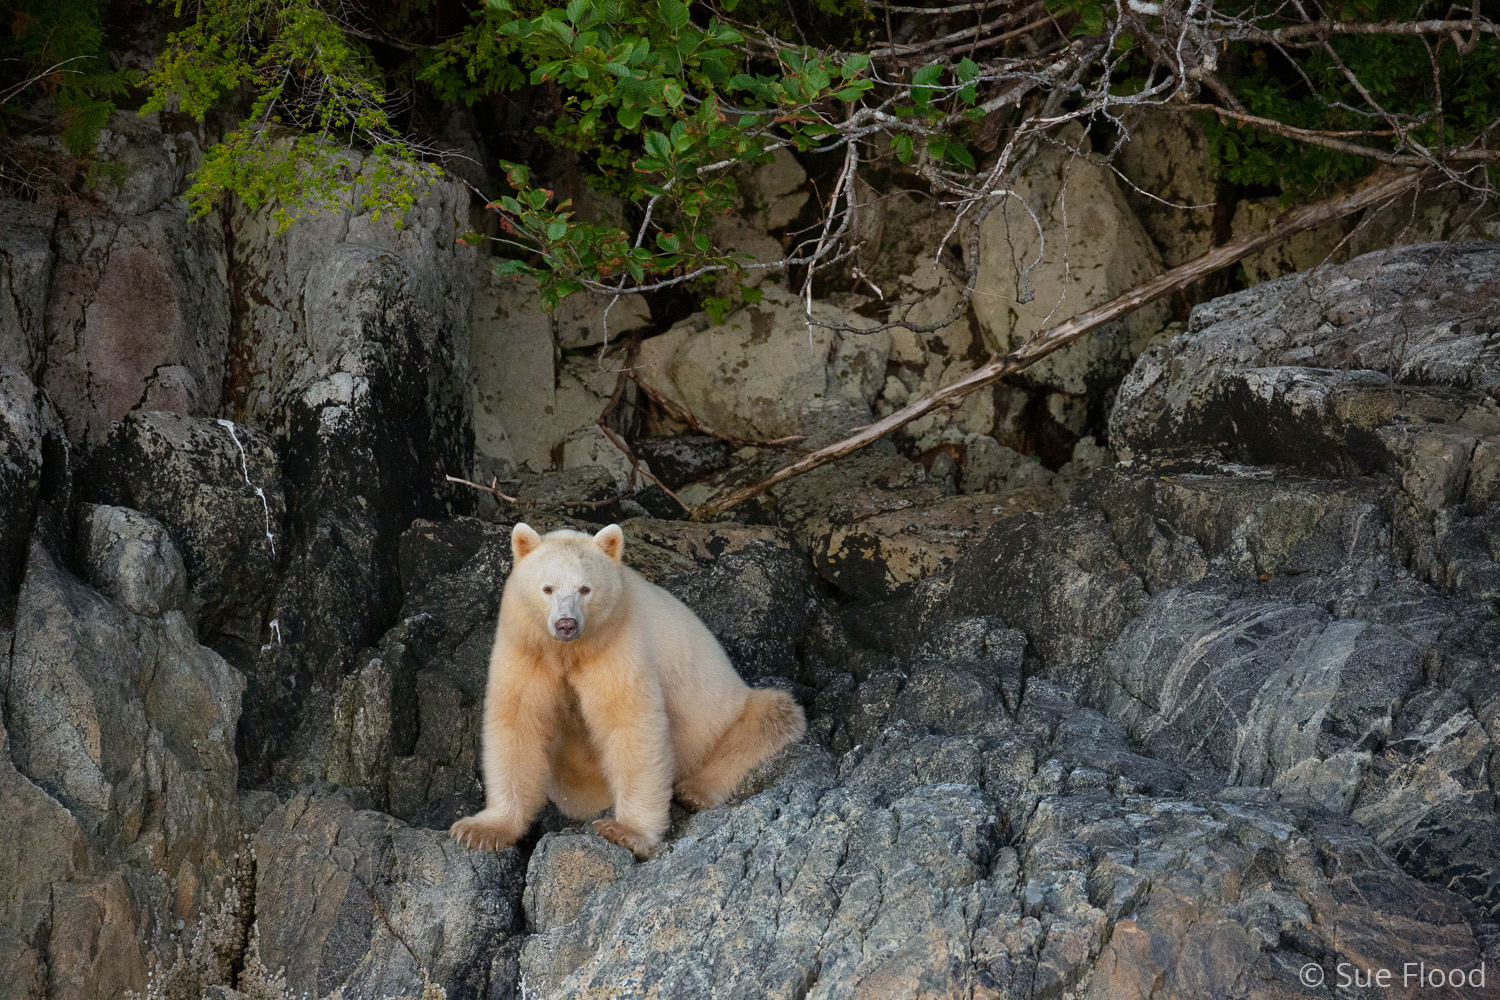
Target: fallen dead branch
1044	343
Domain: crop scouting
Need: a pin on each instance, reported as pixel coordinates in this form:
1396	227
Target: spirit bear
605	690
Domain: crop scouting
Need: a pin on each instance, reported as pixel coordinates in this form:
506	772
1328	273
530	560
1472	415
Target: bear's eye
547	589
585	590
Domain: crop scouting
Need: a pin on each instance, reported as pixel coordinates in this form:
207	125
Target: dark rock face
681	458
20	479
353	353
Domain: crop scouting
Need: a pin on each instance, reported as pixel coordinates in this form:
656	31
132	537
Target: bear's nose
566	629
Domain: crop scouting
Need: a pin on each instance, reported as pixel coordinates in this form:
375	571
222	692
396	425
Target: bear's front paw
696	798
626	836
484	832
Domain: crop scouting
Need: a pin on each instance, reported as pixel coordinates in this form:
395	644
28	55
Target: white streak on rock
245	467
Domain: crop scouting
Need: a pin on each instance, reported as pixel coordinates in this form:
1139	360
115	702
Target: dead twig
636	465
1044	343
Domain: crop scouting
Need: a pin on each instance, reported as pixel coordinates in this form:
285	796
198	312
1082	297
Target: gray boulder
354	900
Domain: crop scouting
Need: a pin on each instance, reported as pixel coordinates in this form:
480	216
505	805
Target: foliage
59	45
1314	91
315	91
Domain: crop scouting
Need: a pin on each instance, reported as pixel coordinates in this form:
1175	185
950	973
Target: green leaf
903	147
668	242
752	295
674	14
630	118
506	268
854	65
557	230
658	145
921	91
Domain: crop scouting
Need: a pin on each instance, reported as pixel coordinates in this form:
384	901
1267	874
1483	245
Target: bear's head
568	579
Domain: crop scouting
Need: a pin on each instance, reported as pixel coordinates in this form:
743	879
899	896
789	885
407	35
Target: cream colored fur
606	691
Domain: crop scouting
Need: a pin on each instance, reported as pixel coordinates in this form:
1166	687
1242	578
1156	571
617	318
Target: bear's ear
523	540
612	541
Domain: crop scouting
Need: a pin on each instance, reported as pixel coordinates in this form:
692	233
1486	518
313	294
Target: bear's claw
481	833
695	799
627	837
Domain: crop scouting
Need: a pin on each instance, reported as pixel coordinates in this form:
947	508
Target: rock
678	459
1059	577
350	899
138	307
564	871
1301	252
774	192
762	375
901	232
26	260
989	466
131	558
218	488
1345	370
742	237
957	865
1094	250
21	463
129	724
41	846
1175	184
1246	691
921	363
534	409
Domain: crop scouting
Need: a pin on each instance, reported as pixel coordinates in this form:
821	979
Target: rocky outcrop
1368	367
218	488
995	866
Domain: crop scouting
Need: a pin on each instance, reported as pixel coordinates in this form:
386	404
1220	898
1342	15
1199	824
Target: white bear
605	690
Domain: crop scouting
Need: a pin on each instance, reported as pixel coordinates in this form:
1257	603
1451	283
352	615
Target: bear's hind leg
770	721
